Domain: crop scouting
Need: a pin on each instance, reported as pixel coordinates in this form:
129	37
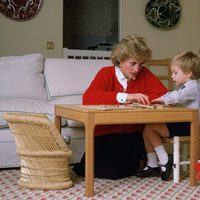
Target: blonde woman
119	148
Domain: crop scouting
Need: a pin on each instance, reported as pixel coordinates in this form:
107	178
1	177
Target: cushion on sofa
67	99
70	99
68	76
25	105
22	76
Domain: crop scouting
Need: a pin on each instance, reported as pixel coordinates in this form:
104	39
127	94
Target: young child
185	72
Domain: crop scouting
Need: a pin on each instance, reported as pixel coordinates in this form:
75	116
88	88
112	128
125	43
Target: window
90	24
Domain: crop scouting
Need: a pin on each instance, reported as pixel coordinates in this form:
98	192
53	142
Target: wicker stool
43	152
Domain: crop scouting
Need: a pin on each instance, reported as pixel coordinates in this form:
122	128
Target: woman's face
178	76
130	68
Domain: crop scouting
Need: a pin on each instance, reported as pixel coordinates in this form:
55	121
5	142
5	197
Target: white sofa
32	83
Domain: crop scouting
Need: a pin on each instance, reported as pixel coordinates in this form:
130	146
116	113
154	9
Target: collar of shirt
121	78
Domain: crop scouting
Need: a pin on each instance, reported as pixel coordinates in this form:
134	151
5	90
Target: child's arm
179	96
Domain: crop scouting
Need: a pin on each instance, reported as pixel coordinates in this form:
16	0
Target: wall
26	37
164	43
18	38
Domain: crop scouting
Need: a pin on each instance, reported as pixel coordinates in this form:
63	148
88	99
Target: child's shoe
148	172
166	172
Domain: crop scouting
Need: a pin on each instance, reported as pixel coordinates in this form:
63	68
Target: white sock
152	159
162	154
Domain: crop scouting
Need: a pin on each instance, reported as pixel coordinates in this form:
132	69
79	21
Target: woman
125	82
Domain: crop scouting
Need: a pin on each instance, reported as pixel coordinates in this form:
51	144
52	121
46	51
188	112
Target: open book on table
124	106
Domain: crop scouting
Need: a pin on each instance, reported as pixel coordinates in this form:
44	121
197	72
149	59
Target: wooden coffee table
91	116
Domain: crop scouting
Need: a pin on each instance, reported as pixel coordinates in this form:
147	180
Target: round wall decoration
20	10
163	14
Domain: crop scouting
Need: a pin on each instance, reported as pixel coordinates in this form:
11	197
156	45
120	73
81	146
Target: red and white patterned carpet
130	188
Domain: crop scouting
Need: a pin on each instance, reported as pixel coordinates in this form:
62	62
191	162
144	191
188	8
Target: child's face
178	76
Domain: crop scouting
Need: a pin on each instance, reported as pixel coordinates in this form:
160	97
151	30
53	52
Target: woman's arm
153	86
103	89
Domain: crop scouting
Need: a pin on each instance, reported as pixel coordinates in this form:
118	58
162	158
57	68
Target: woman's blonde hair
188	62
131	46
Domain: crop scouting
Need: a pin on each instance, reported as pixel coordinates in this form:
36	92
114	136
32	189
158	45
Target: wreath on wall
20	10
163	14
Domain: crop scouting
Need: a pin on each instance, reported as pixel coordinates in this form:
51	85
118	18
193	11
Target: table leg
194	131
89	157
58	123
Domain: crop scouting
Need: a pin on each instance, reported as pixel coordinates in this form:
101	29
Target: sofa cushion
68	76
25	105
22	76
69	99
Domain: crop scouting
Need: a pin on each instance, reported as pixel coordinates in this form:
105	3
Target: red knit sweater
105	86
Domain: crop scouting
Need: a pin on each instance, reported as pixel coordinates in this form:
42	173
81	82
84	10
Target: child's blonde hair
131	46
188	62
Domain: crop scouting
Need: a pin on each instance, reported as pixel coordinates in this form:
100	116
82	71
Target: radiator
86	54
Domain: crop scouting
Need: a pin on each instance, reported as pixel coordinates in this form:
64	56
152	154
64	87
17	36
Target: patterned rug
130	188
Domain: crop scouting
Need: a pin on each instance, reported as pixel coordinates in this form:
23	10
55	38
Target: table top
124	115
122	108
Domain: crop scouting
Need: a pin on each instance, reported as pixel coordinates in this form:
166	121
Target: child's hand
157	100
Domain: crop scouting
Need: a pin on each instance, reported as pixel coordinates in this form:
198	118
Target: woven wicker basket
43	153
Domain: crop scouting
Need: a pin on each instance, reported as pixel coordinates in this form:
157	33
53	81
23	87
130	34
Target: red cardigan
105	86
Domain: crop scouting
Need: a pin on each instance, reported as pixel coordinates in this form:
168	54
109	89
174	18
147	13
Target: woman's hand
137	97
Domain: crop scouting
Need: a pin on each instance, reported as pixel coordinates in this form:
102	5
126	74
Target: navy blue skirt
179	129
